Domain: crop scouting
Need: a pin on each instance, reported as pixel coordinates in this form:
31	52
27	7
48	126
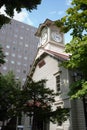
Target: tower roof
46	23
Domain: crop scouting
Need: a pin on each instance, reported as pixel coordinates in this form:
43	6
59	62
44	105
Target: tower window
58	83
41	63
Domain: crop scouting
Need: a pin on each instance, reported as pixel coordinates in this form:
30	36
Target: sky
51	9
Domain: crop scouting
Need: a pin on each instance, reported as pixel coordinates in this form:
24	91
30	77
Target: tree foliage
38	103
78	89
77	49
9	91
34	100
75	19
18	6
76	22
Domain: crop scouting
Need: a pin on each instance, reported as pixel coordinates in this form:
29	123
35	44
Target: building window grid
58	83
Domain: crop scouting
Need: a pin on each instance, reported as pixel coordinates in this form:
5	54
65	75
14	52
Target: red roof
57	55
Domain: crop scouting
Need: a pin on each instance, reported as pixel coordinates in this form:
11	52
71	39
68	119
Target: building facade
20	46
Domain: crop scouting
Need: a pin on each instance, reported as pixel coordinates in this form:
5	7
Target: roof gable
55	55
59	56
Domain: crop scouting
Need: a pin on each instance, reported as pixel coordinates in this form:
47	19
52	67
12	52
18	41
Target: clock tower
51	37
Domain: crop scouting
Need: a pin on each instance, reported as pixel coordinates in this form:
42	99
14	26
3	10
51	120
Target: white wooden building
47	66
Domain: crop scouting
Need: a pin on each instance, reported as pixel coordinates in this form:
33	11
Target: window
25	65
14	48
12	62
17	77
6	60
13	55
41	63
19	56
25	58
18	70
4	68
21	37
8	46
24	71
58	83
15	35
18	63
24	79
26	45
6	53
14	42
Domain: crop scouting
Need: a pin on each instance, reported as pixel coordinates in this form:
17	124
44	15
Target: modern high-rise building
20	46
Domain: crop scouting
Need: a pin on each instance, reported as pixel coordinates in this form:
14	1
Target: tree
9	92
38	104
78	62
76	21
2	56
18	6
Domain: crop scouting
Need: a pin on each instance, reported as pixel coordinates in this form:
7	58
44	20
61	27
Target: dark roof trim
58	55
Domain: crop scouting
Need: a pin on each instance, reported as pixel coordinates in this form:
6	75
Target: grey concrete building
20	46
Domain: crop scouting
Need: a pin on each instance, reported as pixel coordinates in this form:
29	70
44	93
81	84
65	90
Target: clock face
56	37
44	36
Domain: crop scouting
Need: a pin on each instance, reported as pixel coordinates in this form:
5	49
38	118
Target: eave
57	56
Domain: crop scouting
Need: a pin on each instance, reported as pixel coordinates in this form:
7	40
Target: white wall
48	71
